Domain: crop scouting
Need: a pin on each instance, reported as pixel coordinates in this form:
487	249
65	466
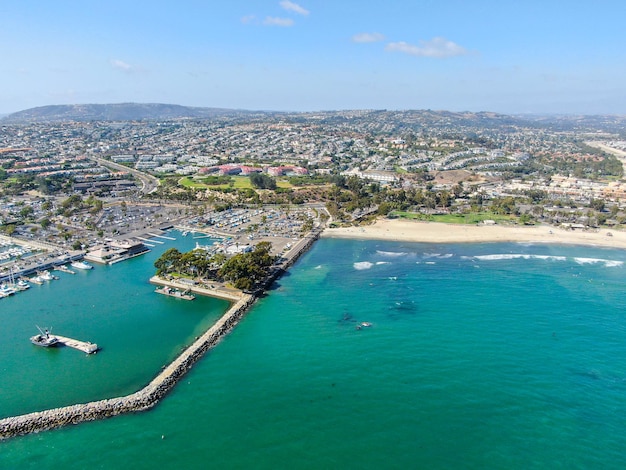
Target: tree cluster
244	270
262	181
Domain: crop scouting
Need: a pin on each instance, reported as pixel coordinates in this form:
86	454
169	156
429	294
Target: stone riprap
140	400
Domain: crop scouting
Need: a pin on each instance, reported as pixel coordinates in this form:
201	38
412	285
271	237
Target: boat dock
83	346
160	236
185	295
64	269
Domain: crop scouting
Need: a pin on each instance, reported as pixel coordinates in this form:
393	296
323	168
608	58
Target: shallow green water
476	357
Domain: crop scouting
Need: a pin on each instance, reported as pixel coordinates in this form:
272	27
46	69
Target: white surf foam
393	254
607	262
360	266
508	256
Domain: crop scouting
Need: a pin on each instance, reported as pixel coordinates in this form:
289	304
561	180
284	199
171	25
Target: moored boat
7	290
44	338
81	265
46	276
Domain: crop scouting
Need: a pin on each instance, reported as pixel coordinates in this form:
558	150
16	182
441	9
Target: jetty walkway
84	346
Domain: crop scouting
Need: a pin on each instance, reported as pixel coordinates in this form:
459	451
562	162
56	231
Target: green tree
168	262
26	212
597	204
262	181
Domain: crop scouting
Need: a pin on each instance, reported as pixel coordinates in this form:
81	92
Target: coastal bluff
138	401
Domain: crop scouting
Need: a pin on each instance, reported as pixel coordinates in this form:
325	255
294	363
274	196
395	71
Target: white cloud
437	47
368	37
291	6
248	19
275	21
121	65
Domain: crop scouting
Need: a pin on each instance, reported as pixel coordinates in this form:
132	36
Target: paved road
149	182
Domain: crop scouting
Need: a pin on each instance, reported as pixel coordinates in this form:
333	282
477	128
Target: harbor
148	396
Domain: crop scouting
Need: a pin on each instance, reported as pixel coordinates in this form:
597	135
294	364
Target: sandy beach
432	232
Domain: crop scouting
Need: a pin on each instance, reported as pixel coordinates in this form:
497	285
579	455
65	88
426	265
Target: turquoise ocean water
478	356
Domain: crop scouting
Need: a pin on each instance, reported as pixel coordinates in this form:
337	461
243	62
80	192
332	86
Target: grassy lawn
472	218
239	182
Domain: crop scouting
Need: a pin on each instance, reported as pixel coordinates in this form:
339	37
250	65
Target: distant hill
114	112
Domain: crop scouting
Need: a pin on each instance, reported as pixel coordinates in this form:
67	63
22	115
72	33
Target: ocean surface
366	354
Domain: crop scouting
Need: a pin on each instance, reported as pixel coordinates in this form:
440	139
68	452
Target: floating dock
185	295
83	346
64	269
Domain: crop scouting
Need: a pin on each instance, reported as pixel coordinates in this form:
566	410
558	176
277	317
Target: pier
160	236
86	347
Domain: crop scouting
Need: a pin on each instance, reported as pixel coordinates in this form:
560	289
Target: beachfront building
115	251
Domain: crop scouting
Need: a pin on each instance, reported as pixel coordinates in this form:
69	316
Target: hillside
113	112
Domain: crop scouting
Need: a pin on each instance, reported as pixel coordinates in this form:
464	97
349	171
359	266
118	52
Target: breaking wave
437	255
507	256
607	262
391	253
582	261
360	266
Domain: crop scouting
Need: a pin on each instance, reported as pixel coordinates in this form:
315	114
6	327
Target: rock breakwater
150	395
141	400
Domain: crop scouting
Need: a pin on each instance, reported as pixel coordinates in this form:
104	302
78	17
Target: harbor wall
141	400
150	395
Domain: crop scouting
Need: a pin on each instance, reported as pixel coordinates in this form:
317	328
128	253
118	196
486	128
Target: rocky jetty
138	401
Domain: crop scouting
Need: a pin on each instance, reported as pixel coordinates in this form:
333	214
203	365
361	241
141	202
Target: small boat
44	338
46	276
81	265
22	285
7	290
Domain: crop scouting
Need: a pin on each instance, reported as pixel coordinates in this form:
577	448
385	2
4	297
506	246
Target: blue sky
506	56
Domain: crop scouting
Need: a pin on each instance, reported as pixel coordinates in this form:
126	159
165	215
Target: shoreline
401	230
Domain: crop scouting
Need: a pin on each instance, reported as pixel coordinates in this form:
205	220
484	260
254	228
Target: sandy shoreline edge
433	232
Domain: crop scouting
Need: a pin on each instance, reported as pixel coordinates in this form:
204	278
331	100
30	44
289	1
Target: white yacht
46	276
7	290
81	265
